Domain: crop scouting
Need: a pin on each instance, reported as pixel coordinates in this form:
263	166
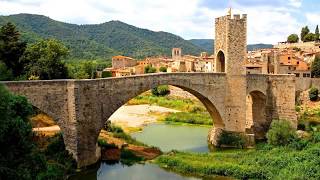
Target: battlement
234	17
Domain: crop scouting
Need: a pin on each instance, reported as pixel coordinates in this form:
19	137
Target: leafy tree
281	133
149	69
163	69
304	32
293	38
11	48
5	73
18	157
162	90
317	35
309	37
313	94
44	59
315	67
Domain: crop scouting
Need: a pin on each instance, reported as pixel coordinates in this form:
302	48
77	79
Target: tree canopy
315	67
11	49
293	38
44	59
304	31
317	35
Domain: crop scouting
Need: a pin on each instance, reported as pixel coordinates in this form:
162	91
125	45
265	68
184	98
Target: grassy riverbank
262	163
192	110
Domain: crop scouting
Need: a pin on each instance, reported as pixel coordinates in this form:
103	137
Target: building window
308	75
297	74
304	75
289	58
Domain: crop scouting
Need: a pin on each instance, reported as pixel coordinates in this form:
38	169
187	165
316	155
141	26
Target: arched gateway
80	107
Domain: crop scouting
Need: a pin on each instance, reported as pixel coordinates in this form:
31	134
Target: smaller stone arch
220	62
256	114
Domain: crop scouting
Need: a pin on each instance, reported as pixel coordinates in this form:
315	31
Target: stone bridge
81	107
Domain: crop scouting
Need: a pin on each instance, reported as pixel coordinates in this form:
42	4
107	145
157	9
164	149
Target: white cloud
188	19
313	18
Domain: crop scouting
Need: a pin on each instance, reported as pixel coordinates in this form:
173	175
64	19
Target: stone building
123	62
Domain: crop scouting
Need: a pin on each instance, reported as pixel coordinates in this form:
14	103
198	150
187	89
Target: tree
44	59
149	69
5	73
281	133
162	90
11	48
309	37
163	69
304	32
18	157
315	67
317	35
293	38
313	94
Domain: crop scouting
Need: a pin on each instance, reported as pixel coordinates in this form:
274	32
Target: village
283	58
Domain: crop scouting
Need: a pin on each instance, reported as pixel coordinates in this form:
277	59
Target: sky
269	21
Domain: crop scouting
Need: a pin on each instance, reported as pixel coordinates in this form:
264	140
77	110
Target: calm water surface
166	137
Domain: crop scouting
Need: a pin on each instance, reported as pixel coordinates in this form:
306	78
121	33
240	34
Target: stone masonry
80	107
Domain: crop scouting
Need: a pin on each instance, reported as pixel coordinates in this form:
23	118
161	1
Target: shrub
231	139
313	94
281	133
149	69
104	144
162	90
129	158
163	69
106	74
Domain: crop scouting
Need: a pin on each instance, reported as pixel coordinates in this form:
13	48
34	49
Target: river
167	138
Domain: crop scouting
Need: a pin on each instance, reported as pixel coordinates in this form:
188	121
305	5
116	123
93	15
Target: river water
166	137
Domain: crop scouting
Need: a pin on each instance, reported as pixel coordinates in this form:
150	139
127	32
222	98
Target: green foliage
129	158
181	104
202	118
106	74
163	69
162	90
309	37
100	41
11	49
313	94
82	69
281	133
5	73
304	32
149	69
315	67
265	163
104	144
44	59
293	38
231	139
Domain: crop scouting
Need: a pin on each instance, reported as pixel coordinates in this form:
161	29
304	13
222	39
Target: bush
160	90
163	69
231	139
106	74
129	158
313	94
281	133
149	69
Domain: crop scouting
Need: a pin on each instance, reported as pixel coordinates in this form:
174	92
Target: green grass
265	162
201	118
186	105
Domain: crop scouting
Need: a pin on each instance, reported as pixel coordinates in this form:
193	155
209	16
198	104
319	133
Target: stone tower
176	53
230	43
230	52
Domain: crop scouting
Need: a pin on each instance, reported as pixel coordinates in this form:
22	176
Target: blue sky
269	21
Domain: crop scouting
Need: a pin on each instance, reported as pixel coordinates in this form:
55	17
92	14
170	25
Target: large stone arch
256	114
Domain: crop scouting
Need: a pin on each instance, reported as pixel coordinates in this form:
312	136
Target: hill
207	44
100	40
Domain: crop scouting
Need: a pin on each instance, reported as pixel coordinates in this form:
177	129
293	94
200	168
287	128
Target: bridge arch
220	62
256	114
